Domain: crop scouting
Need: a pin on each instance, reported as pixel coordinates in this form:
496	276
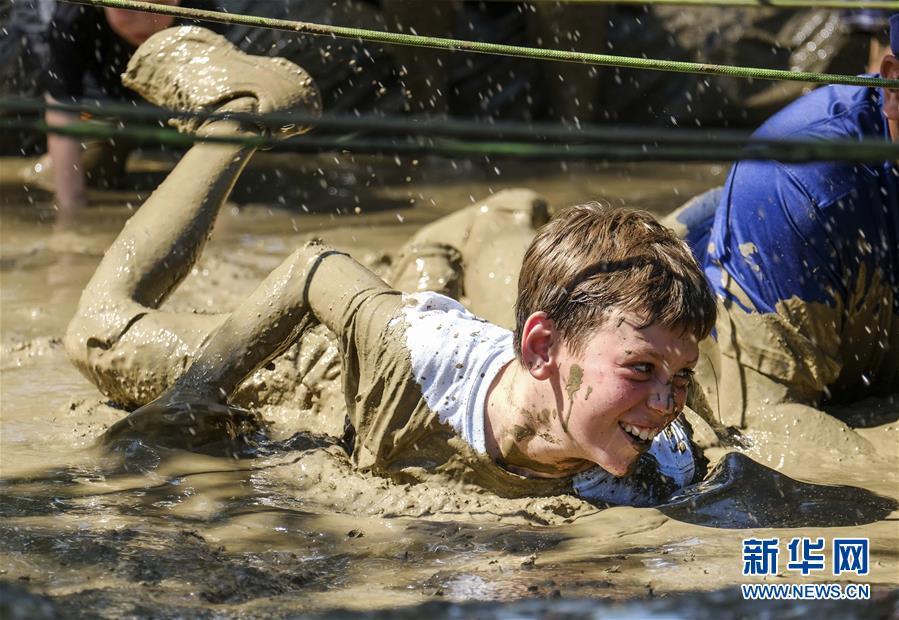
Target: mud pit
293	529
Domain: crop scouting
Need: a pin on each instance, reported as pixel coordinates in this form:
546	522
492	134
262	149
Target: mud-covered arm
314	284
193	411
262	327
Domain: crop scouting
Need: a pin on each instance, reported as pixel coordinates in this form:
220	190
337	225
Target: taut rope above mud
376	134
480	47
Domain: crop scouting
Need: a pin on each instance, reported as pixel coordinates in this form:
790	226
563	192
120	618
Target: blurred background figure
873	23
435	82
818	40
23	46
353	76
89	49
455	83
23	59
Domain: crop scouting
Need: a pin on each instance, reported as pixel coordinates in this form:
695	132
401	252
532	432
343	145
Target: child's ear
889	69
538	337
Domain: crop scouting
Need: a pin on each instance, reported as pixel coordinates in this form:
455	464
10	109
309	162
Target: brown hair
593	259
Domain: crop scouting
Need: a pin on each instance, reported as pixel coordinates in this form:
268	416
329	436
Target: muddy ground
292	529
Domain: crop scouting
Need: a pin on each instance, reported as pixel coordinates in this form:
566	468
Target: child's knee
92	342
294	275
99	323
83	334
326	282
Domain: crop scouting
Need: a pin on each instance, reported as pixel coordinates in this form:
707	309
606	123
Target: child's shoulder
429	301
429	310
454	357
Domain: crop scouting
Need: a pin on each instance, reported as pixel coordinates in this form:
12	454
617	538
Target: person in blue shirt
804	260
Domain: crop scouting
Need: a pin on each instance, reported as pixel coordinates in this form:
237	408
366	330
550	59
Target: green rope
455	128
479	47
780	4
453	131
617	147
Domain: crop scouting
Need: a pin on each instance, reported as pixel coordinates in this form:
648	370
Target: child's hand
186	421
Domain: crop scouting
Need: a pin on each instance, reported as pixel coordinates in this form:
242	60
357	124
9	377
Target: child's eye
683	376
643	369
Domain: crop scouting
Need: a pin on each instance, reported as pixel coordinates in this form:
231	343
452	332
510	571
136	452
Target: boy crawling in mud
583	397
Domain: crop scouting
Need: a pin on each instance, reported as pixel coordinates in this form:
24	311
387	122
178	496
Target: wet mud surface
741	493
289	527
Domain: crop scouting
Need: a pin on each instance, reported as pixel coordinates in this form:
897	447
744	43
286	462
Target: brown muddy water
292	530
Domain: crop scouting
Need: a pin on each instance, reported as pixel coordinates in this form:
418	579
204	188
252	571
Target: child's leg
428	266
118	338
315	283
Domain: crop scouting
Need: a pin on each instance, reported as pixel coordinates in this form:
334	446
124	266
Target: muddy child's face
625	388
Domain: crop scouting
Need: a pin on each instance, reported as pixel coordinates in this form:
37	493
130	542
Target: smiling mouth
641	438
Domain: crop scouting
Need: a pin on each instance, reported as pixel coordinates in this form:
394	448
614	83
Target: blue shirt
785	230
